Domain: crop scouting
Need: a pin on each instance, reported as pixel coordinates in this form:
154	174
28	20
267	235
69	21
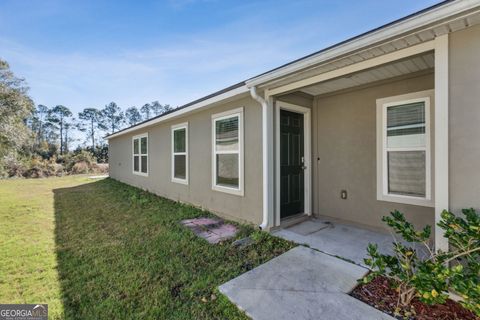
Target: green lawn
102	249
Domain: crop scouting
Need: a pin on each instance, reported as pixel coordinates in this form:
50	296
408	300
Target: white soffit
415	64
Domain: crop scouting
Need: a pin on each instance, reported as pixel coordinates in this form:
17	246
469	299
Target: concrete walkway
301	284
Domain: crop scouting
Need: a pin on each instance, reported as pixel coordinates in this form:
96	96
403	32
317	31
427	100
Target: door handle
303	164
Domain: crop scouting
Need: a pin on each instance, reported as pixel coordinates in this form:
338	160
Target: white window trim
140	154
175	128
382	149
220	116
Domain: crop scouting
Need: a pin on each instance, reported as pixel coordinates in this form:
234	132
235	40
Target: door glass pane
180	167
179	136
227	170
135	146
136	163
407	173
227	134
143	145
406	125
144	164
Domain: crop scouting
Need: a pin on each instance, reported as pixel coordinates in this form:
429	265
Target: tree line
42	136
54	125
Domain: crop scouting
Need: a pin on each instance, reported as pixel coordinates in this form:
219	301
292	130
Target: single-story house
389	119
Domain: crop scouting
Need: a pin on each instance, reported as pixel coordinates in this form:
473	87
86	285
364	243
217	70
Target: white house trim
307	132
382	149
231	94
173	129
441	137
241	152
139	154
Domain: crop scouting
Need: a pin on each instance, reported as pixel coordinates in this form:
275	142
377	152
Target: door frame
280	105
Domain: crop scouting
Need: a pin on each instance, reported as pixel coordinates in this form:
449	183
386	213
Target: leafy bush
11	166
80	168
430	278
38	167
82	156
100	168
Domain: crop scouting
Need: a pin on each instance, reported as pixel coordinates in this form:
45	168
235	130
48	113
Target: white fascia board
175	114
414	23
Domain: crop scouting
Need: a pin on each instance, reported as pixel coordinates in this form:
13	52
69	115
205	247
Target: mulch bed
380	295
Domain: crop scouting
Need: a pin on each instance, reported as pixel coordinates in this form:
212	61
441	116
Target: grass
102	249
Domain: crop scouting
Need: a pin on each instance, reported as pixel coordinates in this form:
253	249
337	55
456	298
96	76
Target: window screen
406	149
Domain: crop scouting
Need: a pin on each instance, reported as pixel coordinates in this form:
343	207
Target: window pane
227	170
143	145
179	140
180	167
135	146
406	173
144	164
135	163
227	134
406	125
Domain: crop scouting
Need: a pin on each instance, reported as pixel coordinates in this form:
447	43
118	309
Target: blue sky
88	53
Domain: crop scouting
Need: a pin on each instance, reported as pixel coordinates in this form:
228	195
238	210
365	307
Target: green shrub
82	156
12	166
40	168
430	278
80	167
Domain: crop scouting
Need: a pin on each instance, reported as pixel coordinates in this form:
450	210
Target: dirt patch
380	295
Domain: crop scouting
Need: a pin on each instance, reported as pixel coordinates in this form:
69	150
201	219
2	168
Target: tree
159	109
67	138
41	114
133	116
113	116
15	107
50	132
167	108
92	121
146	109
59	115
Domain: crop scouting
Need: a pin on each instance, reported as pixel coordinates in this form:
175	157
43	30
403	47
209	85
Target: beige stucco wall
344	140
199	190
464	118
298	98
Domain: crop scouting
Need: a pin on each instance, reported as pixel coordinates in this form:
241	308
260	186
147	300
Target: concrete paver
301	284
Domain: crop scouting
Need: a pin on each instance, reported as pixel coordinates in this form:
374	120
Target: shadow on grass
123	254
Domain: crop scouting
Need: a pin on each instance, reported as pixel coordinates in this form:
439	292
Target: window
180	153
140	154
227	157
405	150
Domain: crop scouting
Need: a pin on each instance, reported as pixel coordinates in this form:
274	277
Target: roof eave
411	23
422	19
211	100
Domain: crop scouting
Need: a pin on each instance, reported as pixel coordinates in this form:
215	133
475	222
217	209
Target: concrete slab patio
346	241
301	284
